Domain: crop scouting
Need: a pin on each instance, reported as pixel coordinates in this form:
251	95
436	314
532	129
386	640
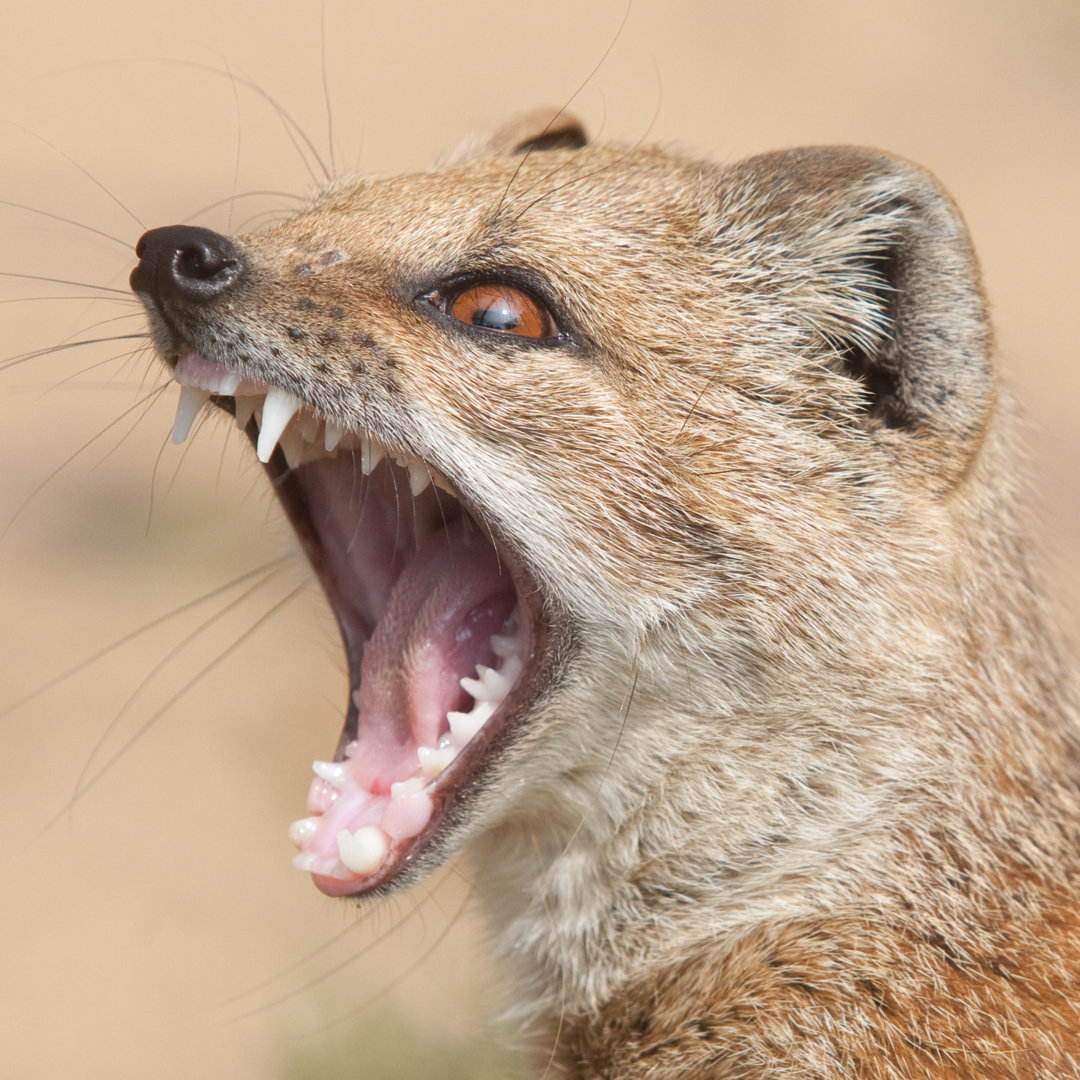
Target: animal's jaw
445	629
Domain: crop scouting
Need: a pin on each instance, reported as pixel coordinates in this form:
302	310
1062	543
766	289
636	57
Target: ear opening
561	133
884	398
539	130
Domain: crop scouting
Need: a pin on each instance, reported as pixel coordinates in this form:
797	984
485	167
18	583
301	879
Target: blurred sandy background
156	928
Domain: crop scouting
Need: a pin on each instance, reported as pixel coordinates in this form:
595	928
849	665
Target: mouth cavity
437	618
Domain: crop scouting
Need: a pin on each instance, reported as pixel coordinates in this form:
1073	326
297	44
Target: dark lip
457	787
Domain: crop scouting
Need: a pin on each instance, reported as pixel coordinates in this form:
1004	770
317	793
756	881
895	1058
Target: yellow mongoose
669	515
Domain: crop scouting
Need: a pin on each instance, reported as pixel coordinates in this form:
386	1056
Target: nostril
202	263
185	263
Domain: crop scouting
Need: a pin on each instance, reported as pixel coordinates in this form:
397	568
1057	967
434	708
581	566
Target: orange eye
502	307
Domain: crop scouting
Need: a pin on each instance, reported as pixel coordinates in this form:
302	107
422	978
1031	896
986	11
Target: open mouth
441	624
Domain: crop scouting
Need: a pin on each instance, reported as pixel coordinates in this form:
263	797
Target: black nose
185	263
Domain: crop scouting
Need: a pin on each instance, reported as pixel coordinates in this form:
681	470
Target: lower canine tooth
433	760
192	399
364	850
330	771
302	830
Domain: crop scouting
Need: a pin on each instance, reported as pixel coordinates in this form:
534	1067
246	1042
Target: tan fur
799	796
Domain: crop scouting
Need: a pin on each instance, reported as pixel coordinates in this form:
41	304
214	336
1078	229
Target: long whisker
82	168
291	126
326	89
184	690
36	354
317	980
593	172
125	244
125	293
81	299
245	195
165	661
71	457
401	976
131	635
569	101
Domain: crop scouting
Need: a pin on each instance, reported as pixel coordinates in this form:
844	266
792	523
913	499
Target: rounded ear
537	130
879	265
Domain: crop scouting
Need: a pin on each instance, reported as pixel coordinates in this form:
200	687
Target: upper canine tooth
278	409
371	453
192	399
245	409
332	436
419	475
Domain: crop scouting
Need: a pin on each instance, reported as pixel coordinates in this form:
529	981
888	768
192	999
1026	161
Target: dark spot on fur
328	258
328	337
320	364
336	312
357	365
303	268
365	341
294	332
305	304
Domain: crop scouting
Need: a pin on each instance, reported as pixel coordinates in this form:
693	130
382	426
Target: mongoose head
583	441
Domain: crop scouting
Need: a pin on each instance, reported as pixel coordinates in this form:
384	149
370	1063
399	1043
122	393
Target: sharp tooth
473	687
511	669
278	409
364	850
404	788
192	399
490	686
332	436
497	682
292	446
302	830
443	485
309	426
227	384
419	475
371	453
434	759
245	409
331	771
464	725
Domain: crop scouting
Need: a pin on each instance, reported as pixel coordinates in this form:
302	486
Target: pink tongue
449	600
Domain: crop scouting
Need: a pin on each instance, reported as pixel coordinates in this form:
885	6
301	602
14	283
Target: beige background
155	928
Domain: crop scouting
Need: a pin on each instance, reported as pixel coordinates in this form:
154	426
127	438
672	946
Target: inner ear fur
878	263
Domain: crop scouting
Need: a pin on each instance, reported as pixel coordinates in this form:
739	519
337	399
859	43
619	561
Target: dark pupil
499	316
